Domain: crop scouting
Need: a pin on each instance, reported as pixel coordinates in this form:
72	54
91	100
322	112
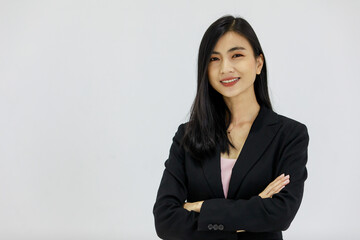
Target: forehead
230	40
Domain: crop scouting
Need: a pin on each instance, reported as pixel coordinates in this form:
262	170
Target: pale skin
233	56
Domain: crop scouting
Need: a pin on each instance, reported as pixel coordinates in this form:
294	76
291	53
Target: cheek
250	67
212	75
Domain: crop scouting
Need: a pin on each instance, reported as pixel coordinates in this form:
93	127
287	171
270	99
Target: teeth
231	80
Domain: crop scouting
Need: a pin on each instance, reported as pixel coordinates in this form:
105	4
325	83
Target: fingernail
282	174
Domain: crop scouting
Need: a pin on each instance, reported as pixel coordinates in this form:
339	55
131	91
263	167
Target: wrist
199	205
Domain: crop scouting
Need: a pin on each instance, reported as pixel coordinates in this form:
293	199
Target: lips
228	82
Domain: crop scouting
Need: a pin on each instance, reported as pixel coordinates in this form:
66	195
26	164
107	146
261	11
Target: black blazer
275	145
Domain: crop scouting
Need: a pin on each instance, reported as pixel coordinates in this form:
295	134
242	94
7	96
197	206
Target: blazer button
210	226
221	227
216	227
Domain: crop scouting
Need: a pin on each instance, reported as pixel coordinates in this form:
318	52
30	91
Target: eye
238	55
213	59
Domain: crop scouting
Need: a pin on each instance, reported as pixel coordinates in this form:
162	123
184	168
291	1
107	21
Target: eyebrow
231	49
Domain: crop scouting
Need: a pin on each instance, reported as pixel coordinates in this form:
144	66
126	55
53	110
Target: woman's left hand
196	206
193	206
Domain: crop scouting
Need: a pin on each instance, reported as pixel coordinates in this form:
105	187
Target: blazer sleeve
172	221
269	214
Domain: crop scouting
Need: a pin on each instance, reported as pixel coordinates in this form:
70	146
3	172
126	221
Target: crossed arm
274	187
271	210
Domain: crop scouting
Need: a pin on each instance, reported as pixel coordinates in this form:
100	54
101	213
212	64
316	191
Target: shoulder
289	122
292	127
180	132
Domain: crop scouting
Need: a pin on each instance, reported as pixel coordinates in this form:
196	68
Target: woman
229	167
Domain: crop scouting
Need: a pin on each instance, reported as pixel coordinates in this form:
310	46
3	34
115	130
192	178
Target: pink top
227	165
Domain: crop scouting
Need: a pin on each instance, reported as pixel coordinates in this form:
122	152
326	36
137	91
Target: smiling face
233	67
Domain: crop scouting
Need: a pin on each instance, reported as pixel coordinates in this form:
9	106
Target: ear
259	63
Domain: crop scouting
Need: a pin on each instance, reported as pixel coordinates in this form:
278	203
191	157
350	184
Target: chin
231	94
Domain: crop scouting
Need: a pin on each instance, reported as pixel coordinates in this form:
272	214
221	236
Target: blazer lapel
262	131
212	171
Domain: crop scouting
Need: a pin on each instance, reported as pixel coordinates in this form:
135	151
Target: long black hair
208	123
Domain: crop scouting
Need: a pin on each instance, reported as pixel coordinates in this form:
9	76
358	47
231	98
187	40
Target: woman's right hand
275	186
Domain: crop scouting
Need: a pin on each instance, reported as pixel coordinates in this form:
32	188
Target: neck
244	108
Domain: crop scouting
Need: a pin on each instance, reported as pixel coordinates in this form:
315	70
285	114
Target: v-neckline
261	133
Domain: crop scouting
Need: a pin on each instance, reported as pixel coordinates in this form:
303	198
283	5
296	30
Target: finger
274	186
280	186
284	182
281	176
277	185
279	190
276	192
277	180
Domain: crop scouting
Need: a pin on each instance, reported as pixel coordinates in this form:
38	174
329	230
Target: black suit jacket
275	145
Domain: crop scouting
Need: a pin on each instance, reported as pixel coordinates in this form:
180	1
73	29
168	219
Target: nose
226	66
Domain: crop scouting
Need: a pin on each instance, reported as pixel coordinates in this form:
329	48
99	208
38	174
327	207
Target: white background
92	92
